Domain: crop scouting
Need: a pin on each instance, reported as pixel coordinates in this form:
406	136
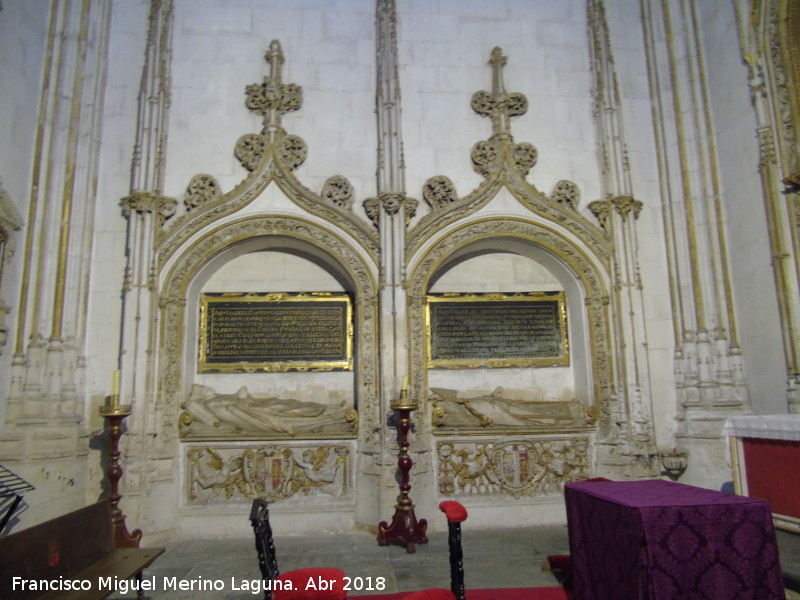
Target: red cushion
314	583
560	561
531	593
432	594
454	511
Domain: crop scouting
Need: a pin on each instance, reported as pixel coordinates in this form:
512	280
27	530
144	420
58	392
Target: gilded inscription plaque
275	332
497	330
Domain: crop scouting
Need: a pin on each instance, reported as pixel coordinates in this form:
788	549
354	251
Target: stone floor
492	558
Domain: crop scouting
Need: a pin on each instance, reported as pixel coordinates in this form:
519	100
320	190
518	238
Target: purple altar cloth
659	540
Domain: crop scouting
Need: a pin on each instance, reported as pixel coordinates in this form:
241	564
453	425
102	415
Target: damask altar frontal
661	540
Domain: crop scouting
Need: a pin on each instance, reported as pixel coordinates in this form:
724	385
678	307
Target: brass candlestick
405	530
114	413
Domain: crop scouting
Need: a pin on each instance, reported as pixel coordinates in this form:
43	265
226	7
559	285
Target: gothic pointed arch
588	280
331	248
551	227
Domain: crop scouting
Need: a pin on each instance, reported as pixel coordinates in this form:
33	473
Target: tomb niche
507	372
269	407
499	347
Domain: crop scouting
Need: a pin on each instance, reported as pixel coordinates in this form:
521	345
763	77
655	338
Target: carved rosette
566	192
201	190
166	207
221	474
273	98
272	95
485	157
488	104
518	468
391	203
338	191
250	148
292	151
439	192
525	156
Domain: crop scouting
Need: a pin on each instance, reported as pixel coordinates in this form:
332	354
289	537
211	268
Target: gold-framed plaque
275	332
496	330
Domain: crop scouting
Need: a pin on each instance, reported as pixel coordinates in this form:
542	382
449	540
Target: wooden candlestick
114	413
405	530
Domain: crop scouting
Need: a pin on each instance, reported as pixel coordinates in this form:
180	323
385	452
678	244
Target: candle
405	383
115	384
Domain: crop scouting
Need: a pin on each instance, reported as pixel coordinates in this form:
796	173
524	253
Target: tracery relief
770	38
218	472
490	468
503	163
269	156
221	474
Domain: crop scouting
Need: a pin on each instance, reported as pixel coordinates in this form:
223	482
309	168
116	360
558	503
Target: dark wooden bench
76	547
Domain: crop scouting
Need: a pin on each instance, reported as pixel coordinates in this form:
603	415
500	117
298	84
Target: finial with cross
273	98
498	104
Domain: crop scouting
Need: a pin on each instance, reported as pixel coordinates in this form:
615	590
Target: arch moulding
190	263
586	272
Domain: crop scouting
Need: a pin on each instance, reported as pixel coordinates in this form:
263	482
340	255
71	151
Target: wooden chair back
57	548
265	547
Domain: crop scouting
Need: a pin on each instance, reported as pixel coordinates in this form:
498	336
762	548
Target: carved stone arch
539	204
586	272
336	253
792	12
10	221
781	46
267	171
